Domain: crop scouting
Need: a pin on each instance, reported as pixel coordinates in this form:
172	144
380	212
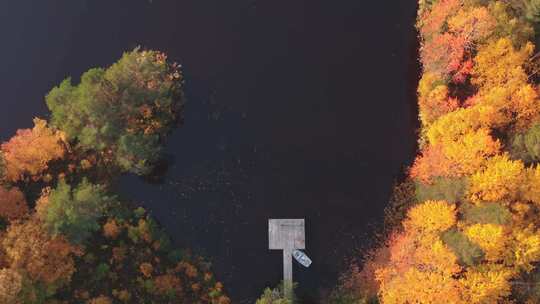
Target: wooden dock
286	235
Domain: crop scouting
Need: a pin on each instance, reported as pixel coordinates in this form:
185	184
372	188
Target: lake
296	109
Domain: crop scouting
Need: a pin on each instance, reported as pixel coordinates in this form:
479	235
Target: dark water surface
297	108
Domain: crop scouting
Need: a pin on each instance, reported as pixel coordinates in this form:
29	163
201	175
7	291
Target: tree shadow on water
158	175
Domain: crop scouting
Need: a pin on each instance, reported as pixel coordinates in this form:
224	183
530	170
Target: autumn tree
432	163
501	180
490	237
500	64
419	260
122	112
433	99
111	229
431	216
454	125
471	151
450	32
12	203
455	158
432	22
30	150
445	55
168	284
524	249
474	22
75	211
10	286
420	270
31	248
486	284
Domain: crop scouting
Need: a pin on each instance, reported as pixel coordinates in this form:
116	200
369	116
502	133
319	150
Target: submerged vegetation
65	237
464	226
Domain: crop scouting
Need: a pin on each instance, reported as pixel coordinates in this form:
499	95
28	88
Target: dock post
287	273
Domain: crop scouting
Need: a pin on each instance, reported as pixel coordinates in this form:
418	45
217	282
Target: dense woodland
463	227
65	237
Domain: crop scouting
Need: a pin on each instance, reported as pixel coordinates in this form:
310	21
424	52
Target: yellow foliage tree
433	99
431	216
498	64
421	287
491	238
524	106
501	180
471	150
476	23
454	125
486	284
421	269
525	248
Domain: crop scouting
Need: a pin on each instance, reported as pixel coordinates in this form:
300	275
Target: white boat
301	257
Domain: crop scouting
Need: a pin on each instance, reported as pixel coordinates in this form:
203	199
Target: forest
65	236
463	225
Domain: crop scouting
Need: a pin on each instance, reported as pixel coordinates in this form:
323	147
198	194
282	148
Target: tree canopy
30	150
473	228
75	211
64	237
122	112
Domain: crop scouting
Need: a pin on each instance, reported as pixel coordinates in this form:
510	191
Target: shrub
274	296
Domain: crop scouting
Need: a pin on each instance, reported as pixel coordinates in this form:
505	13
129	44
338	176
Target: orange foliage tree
30	248
12	203
10	286
29	151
